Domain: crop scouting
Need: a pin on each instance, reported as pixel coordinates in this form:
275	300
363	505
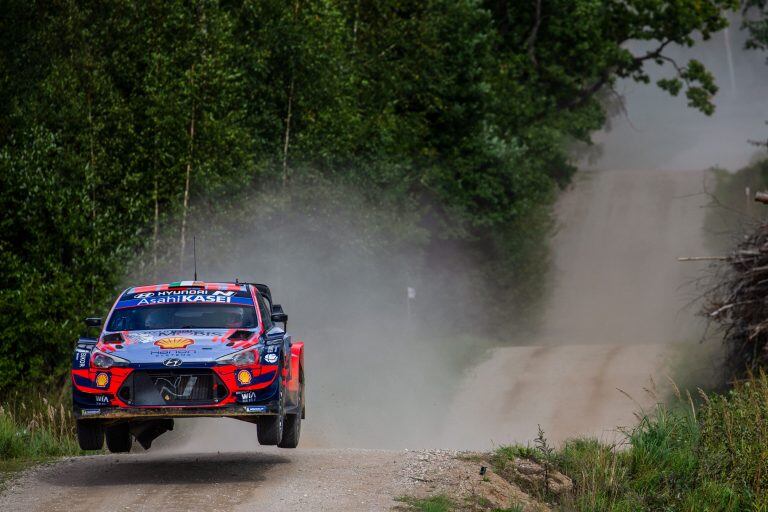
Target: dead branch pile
739	303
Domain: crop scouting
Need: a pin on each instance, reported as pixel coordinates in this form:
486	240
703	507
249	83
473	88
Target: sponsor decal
244	377
172	362
173	353
270	358
82	358
185	296
182	299
89	412
139	337
246	396
174	342
102	380
256	408
102	399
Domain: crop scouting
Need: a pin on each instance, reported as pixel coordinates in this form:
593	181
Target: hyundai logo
172	362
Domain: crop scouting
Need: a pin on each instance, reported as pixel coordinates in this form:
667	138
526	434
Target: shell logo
244	377
102	379
174	342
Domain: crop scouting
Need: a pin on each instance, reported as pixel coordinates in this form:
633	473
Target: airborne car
188	349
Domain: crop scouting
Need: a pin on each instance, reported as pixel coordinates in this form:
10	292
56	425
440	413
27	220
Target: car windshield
183	316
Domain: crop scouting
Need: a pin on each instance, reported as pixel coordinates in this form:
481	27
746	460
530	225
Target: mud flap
147	431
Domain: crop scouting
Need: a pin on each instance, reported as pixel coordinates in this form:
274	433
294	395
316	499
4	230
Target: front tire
90	435
269	429
119	438
292	424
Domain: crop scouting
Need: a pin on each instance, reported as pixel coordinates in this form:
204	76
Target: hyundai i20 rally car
188	349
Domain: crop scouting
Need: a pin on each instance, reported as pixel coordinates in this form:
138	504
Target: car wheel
269	429
90	435
292	424
119	438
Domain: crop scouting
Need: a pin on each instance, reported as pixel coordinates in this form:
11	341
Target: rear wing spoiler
264	290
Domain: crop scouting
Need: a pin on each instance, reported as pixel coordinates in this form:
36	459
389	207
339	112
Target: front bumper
239	411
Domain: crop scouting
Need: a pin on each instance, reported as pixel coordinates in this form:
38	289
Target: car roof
188	284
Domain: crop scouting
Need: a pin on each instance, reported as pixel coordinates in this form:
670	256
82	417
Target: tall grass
713	457
36	427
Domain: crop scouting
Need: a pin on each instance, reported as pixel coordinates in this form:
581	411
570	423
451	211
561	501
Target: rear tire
90	434
291	431
119	438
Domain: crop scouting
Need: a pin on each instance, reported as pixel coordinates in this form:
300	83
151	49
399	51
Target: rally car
188	349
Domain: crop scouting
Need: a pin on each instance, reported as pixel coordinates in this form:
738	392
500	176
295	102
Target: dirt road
576	390
268	479
615	321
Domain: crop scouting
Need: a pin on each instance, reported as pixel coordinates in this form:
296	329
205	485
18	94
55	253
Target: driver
156	319
234	318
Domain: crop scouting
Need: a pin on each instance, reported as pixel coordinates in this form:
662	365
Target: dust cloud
618	318
341	268
622	313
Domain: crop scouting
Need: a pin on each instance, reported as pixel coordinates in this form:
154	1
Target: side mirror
93	322
278	315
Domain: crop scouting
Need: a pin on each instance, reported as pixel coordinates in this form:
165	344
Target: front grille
172	387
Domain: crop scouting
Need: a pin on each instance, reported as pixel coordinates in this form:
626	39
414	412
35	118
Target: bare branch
530	42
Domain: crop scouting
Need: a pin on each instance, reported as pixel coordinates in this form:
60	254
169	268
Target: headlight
102	360
242	358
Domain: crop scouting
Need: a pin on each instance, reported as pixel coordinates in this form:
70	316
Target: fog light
244	377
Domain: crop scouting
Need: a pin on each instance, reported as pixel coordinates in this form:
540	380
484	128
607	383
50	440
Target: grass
35	429
440	503
713	457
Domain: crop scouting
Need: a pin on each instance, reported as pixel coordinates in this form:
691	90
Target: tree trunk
287	135
155	231
185	206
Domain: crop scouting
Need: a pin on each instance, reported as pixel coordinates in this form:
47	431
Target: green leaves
457	114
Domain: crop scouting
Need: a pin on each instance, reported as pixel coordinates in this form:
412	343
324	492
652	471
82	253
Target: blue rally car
188	349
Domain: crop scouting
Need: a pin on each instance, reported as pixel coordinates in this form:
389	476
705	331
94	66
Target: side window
266	314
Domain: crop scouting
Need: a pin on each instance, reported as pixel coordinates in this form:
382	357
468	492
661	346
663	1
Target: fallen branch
703	258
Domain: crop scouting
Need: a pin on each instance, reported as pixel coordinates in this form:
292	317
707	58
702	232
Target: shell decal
102	380
174	342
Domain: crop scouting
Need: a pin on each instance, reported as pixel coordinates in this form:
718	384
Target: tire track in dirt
615	313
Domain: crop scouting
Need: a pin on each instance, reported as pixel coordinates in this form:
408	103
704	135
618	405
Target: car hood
189	345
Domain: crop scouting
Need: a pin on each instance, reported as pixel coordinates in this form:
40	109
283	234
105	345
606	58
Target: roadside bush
36	429
678	458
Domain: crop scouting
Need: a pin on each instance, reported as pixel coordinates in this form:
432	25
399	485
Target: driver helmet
234	318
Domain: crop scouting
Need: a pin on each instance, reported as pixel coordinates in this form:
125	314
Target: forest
123	121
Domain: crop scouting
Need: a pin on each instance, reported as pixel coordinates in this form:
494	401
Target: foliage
676	459
756	22
121	120
36	428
